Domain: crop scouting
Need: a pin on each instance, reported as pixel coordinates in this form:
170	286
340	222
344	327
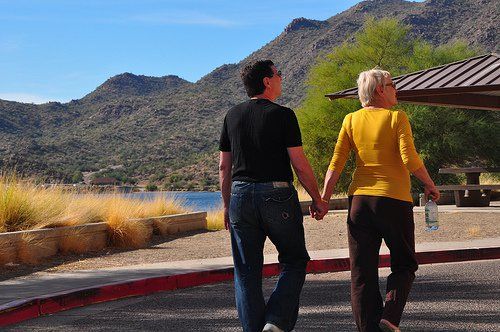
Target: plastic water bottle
431	216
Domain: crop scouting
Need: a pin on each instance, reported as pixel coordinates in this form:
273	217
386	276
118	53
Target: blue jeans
258	210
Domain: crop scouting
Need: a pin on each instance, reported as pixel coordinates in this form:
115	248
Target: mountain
166	128
134	85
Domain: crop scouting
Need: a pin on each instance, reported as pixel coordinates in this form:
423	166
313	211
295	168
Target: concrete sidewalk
44	284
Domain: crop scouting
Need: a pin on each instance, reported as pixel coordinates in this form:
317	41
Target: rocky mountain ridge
156	125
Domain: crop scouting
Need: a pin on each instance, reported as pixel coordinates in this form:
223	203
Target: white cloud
25	98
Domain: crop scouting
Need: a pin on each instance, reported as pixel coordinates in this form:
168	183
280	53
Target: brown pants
370	220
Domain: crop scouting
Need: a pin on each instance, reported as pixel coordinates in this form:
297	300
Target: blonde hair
367	82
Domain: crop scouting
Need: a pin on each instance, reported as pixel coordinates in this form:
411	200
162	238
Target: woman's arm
340	155
331	179
411	158
429	186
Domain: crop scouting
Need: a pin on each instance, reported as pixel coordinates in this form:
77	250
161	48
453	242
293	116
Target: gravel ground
330	233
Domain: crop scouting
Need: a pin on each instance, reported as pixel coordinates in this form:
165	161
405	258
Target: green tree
151	187
443	136
77	177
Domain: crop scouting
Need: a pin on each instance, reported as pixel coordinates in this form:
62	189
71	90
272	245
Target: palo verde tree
443	136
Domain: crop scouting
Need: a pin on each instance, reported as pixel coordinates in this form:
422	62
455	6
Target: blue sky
63	49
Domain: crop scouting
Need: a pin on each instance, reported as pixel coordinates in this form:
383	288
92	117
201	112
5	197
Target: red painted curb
17	311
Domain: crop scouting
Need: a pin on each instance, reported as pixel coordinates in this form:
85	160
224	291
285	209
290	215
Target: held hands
318	209
431	192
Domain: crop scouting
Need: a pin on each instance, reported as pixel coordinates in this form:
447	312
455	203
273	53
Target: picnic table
472	193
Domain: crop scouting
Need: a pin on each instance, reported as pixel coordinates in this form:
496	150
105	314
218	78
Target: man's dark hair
253	74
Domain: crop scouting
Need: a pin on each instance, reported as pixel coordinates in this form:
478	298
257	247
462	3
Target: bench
472	193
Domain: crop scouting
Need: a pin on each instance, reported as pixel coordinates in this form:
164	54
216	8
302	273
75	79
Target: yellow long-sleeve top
385	153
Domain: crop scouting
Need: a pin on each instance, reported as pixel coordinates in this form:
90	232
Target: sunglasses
278	73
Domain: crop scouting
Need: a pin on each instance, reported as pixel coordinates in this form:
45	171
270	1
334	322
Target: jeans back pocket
280	206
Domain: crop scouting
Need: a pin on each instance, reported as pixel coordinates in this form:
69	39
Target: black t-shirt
258	133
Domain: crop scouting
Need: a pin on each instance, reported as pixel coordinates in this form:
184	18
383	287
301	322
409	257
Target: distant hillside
157	125
128	84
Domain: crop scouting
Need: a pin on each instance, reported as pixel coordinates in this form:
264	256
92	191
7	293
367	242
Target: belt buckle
281	184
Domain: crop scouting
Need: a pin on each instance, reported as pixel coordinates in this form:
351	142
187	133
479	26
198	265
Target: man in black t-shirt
258	142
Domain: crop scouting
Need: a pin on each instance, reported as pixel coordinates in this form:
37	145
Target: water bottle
431	215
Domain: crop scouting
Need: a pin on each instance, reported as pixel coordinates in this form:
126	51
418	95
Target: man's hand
226	218
318	209
304	172
225	165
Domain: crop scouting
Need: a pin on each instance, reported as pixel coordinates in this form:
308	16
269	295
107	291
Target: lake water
196	200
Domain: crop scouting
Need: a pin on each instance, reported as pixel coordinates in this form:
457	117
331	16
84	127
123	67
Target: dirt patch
331	233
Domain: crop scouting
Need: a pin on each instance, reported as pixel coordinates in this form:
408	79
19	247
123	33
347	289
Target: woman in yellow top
380	204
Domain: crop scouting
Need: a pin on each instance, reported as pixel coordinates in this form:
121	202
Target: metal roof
470	83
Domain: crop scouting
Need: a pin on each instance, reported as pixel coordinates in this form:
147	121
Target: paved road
445	297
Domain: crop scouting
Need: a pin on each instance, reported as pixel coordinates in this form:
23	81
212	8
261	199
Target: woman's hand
429	186
432	191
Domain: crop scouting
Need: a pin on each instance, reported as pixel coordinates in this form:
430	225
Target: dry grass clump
15	208
125	232
215	219
24	205
27	206
51	205
83	209
161	206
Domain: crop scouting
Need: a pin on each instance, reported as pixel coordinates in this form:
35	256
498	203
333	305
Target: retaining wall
34	245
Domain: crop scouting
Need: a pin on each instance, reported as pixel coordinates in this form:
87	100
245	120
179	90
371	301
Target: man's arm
306	177
225	164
